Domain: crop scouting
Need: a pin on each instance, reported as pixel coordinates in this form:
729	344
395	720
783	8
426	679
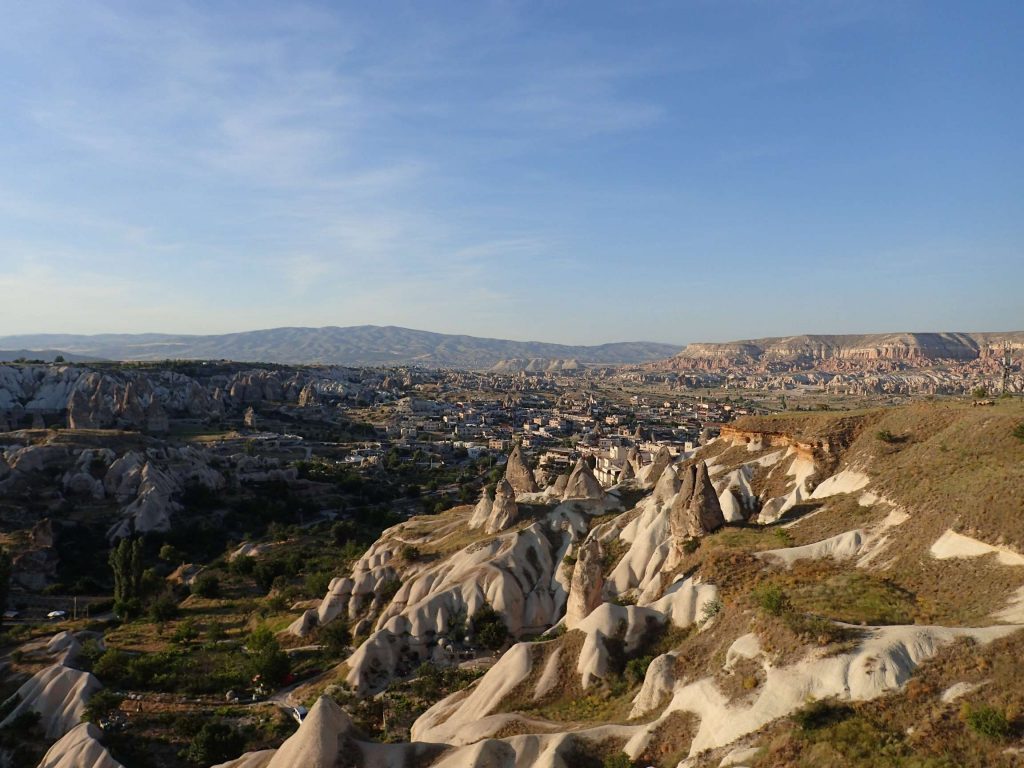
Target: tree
185	632
335	636
489	628
171	554
126	562
59	359
163	609
214	743
101	704
113	667
206	585
266	659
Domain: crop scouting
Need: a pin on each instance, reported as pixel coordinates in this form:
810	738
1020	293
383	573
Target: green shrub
772	599
101	703
317	584
636	669
206	585
619	760
185	632
266	658
335	636
128	609
711	609
112	667
90	654
1018	432
163	609
821	714
214	743
171	554
988	722
433	682
489	628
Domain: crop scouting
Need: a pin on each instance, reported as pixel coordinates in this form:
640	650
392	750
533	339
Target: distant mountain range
46	355
356	345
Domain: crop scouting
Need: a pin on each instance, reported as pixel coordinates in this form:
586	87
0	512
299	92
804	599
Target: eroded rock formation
504	511
518	474
587	582
582	484
696	510
482	510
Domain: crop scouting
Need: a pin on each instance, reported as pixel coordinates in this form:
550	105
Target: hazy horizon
579	173
681	344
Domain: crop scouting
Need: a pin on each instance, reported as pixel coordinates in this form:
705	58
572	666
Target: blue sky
563	171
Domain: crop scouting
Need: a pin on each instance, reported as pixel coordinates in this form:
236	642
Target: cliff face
809	350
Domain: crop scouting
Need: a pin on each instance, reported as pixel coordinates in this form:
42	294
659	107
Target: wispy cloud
212	166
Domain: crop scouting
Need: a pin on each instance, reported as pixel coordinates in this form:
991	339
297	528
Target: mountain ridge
816	348
349	345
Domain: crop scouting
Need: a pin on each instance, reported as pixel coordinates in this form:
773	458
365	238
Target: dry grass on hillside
833	516
911	728
671	740
961	466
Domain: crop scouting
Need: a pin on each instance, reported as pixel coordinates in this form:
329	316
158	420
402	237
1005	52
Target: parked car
299	714
57	615
11	614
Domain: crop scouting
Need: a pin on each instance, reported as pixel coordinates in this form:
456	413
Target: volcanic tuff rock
558	486
35	565
513	572
810	349
482	510
627	472
587	583
696	510
59	694
582	484
633	458
652	473
308	396
667	486
689	704
79	748
504	511
154	505
536	365
147	400
518	474
145	482
705	511
102	401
